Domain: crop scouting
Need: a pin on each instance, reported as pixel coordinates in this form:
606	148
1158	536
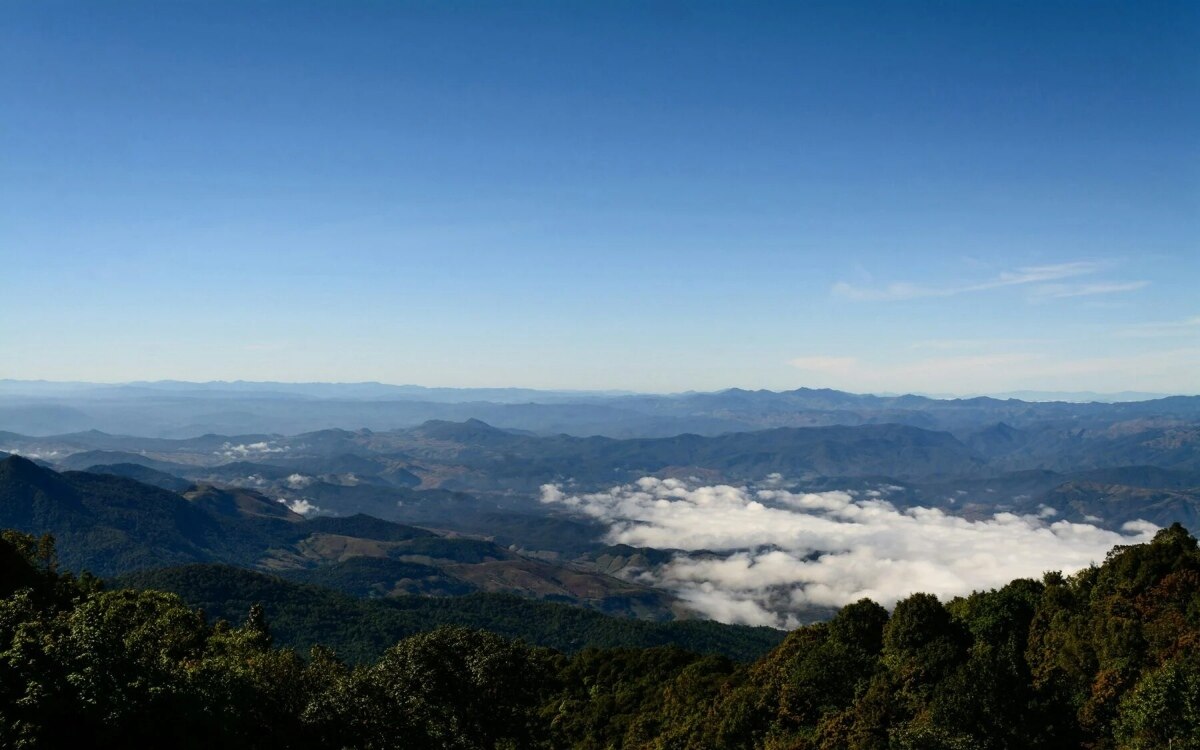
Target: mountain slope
115	525
106	523
303	615
143	474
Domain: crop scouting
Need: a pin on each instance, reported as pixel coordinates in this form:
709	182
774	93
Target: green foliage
302	616
1107	658
616	698
452	688
1163	709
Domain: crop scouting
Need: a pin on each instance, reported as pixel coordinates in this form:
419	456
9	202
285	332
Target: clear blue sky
941	197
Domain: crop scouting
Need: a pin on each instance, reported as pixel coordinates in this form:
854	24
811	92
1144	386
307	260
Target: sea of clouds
763	555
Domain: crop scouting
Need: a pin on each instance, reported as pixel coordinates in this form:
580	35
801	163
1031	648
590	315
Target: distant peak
446	424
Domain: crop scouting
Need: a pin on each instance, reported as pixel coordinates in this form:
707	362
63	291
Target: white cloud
299	481
242	450
301	506
762	555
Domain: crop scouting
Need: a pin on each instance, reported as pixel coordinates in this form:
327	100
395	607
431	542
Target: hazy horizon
1022	395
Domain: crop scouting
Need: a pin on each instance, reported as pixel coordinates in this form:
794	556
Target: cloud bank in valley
763	555
242	450
300	505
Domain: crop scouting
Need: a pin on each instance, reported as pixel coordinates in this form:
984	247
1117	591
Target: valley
452	509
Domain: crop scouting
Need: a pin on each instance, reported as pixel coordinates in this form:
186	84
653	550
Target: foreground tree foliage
1107	658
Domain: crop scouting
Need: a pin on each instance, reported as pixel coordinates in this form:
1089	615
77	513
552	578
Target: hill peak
17	468
473	429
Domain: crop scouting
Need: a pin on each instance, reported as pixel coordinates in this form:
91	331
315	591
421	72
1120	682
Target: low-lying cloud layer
763	555
300	505
242	450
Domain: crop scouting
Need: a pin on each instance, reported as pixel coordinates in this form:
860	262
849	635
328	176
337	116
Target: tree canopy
1105	658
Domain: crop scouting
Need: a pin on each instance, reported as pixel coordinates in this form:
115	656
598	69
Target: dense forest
1105	658
361	629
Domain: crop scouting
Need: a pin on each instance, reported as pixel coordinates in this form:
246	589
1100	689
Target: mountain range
113	525
472	477
182	410
447	510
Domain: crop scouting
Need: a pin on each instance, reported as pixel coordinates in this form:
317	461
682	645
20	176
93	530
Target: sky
875	196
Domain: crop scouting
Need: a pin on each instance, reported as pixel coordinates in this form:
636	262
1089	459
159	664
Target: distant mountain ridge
477	478
174	409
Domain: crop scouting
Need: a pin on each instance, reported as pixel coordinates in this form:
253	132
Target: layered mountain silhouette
172	409
113	525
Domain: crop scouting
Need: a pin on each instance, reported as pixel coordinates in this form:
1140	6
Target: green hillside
1104	659
302	616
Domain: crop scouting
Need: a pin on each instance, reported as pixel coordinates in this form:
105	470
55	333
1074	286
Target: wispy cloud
1039	277
763	555
1162	329
1060	291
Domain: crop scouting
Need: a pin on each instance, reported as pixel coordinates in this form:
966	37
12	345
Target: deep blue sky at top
954	196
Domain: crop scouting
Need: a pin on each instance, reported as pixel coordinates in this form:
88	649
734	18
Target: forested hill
1106	658
358	629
